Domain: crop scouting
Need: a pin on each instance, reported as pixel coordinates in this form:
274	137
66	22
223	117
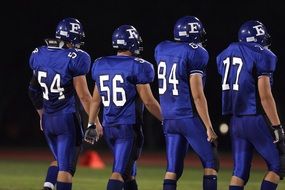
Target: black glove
279	135
91	135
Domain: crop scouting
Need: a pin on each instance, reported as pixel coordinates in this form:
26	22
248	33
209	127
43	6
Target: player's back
176	62
116	78
55	69
240	65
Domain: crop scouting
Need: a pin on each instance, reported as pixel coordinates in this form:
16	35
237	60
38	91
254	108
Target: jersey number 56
115	90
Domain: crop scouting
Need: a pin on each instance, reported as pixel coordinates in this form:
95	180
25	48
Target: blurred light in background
224	128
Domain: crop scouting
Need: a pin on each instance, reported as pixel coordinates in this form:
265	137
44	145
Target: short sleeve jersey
240	65
116	78
54	69
176	62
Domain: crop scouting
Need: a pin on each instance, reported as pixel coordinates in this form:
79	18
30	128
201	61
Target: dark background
26	23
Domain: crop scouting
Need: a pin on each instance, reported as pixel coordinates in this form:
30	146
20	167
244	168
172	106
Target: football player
120	80
247	70
59	70
181	70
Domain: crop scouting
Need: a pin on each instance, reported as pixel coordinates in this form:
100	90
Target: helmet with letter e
70	30
127	38
254	31
189	29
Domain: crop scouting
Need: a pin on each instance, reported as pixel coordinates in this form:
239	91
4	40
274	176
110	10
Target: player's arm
269	106
35	95
94	129
94	105
267	100
149	101
200	101
80	85
83	93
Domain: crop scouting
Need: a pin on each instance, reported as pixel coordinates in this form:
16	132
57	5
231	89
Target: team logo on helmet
194	27
259	30
126	37
254	31
133	33
189	29
75	28
70	30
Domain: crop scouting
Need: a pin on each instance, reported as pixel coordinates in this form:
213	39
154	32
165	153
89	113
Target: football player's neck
69	45
124	53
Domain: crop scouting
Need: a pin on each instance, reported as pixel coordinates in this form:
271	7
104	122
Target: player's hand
279	134
91	134
99	130
40	112
41	126
212	136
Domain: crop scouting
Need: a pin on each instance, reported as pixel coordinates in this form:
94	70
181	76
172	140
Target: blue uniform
176	62
54	69
116	78
240	65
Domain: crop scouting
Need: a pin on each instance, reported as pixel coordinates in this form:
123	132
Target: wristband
276	126
91	125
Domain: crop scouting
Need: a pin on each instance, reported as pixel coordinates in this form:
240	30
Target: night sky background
27	23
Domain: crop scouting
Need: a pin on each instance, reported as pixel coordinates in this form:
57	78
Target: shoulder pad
264	50
36	50
259	47
81	51
74	52
140	60
97	59
193	45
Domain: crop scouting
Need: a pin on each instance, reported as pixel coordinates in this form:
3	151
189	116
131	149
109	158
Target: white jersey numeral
54	88
173	80
41	75
227	63
116	91
161	74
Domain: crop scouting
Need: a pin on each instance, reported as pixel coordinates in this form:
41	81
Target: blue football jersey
240	65
176	62
55	69
116	78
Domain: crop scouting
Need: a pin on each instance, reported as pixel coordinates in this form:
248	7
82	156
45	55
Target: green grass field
29	175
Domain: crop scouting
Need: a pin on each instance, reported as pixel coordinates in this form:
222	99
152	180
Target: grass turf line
29	175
